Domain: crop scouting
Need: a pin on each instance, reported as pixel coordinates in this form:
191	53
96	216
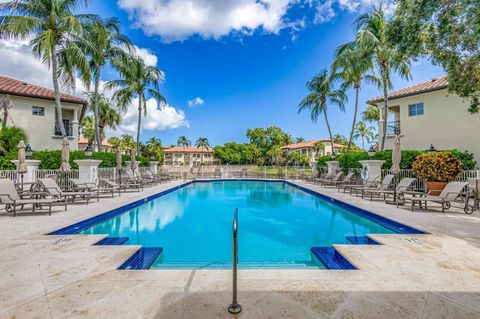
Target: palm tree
352	65
321	94
371	114
55	30
104	43
88	129
371	37
202	142
183	141
364	132
154	142
299	140
108	115
138	80
127	142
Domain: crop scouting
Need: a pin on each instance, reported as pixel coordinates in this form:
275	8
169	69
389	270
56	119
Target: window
38	111
415	109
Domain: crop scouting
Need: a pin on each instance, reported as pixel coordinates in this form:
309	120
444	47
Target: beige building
189	156
32	108
83	142
308	148
425	114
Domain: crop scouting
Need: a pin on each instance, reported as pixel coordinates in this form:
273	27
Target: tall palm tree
183	141
321	94
104	43
108	115
138	80
353	65
371	37
202	143
154	142
55	30
364	132
127	142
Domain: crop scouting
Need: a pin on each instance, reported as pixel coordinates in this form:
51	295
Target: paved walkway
435	275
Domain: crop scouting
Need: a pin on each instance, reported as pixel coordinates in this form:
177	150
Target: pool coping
388	223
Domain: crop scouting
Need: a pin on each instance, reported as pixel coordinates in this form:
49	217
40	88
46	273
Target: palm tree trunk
363	142
357	89
329	129
98	135
385	109
56	89
139	122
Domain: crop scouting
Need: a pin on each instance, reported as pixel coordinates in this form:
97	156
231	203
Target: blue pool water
278	224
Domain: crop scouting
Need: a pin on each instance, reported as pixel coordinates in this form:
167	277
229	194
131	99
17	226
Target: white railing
10	174
107	173
61	178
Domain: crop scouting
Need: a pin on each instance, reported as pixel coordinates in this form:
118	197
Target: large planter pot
436	188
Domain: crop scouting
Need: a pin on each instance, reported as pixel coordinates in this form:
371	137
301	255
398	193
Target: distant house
83	142
308	148
425	114
189	156
33	110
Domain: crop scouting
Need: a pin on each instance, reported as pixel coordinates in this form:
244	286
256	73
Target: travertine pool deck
435	275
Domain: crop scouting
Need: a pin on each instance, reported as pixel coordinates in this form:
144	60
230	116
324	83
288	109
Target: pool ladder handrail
235	307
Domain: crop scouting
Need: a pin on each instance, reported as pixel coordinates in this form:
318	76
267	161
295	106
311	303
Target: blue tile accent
331	258
113	241
142	259
361	240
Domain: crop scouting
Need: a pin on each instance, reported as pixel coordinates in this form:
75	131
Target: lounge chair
50	186
369	183
93	188
327	176
11	199
347	179
384	185
329	179
133	178
450	194
402	187
217	173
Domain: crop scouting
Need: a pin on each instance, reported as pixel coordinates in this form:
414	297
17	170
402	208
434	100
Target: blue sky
250	77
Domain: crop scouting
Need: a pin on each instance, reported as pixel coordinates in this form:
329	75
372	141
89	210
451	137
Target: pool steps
361	240
112	241
142	259
331	258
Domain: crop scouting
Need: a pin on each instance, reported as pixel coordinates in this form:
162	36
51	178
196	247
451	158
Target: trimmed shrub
408	157
351	160
323	159
437	167
5	163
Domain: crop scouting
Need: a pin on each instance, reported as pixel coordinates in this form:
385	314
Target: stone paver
434	275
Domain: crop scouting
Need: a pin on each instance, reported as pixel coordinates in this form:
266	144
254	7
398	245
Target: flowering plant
437	167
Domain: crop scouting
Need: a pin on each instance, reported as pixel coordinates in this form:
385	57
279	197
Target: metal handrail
235	307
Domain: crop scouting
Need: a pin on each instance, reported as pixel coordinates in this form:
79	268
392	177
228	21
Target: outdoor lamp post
371	152
432	149
28	152
88	152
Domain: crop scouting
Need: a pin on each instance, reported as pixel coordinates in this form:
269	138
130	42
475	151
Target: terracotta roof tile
21	88
427	86
187	149
309	144
84	140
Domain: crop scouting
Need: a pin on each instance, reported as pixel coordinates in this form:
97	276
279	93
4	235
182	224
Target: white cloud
177	20
327	9
148	57
156	120
196	102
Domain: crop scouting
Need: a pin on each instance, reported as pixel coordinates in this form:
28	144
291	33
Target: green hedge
408	157
5	163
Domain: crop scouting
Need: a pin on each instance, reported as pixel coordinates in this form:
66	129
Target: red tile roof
435	84
84	140
187	149
20	88
309	144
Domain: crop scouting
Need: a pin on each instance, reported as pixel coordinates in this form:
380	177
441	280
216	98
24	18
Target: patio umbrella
396	158
133	163
65	166
118	160
22	166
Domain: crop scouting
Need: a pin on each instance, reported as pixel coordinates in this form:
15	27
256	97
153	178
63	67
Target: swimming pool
278	225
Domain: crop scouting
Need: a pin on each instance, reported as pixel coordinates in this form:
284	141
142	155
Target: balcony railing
393	128
68	129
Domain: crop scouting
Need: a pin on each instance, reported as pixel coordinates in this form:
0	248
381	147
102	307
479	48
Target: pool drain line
235	307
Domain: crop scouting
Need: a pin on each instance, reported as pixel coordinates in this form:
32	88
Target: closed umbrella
65	166
118	160
396	158
22	166
133	163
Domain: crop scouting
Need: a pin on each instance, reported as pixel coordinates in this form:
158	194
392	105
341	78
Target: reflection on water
277	224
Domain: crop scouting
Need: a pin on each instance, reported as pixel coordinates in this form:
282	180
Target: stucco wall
40	129
446	123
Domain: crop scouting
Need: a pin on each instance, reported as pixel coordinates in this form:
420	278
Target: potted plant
437	170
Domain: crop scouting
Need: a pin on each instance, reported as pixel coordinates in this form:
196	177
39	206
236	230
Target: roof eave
373	102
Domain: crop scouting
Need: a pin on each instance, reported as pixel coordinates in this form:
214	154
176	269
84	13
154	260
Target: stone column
32	166
154	167
371	168
88	170
333	167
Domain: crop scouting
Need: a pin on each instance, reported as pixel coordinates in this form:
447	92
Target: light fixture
28	152
88	152
371	152
432	149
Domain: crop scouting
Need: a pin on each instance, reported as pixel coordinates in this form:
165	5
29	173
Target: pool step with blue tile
142	259
331	258
113	241
361	240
